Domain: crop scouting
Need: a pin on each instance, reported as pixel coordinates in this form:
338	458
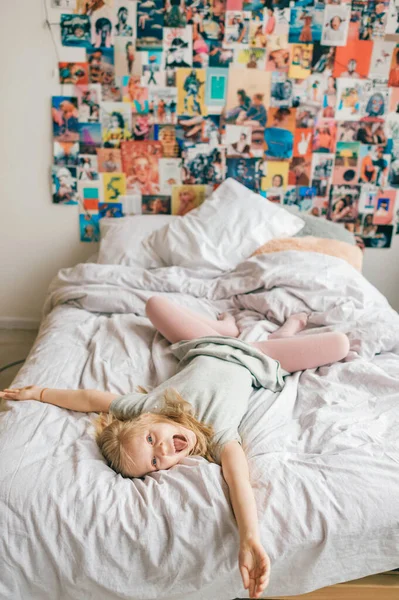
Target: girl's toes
303	318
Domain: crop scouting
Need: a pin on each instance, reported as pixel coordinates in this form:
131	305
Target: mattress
323	453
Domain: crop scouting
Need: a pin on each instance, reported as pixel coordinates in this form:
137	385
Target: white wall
381	267
37	237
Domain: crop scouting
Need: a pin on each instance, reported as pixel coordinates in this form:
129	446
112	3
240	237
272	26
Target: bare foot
293	325
228	325
302	319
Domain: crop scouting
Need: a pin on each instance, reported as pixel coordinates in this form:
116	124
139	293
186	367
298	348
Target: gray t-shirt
215	375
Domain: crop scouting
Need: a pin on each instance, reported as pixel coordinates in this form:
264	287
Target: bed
323	453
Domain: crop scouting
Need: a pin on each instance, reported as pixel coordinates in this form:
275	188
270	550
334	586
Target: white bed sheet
323	454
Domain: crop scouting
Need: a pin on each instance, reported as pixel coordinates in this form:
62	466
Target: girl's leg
177	323
306	352
294	353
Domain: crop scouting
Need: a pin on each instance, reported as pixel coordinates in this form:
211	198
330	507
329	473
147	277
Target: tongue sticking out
179	442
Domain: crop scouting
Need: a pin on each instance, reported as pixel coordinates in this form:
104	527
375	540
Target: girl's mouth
180	443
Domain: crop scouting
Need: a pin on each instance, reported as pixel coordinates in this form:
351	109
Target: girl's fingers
252	590
245	576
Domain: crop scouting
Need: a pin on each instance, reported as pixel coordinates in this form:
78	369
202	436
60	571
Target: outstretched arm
79	400
254	563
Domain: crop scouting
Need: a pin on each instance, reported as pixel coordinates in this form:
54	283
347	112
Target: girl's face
160	446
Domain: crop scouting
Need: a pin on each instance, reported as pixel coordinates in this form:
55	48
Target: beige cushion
352	254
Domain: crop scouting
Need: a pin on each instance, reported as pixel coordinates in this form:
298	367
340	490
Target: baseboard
18	323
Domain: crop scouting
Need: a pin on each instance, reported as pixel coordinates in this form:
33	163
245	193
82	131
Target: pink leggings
295	353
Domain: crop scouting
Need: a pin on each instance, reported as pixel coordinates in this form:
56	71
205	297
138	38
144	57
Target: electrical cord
48	23
18	362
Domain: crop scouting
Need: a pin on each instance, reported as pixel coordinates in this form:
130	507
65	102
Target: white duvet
323	454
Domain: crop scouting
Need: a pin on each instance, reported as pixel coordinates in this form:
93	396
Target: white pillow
223	231
121	240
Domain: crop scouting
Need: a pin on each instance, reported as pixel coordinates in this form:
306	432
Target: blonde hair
112	435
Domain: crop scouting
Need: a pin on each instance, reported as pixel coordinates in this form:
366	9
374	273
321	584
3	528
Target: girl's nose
163	449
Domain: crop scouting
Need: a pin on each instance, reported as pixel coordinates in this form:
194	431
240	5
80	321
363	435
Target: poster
158	102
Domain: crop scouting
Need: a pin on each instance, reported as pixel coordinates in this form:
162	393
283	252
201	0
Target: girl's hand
254	566
29	392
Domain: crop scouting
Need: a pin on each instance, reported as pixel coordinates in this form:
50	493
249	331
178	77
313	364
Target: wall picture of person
109	160
385	207
306	24
374	165
299	171
248	97
344	201
155	205
140	163
64	185
126	18
187	197
76	30
177	47
245	170
279	136
89	228
301	61
191	92
116	121
336	24
353	60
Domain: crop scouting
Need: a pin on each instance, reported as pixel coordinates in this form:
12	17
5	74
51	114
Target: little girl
199	409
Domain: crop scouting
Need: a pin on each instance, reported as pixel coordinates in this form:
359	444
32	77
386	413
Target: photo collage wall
298	101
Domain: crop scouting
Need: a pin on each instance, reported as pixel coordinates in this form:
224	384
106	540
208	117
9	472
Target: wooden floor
376	587
15	345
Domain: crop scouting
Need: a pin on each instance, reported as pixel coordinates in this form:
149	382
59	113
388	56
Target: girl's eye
154	460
